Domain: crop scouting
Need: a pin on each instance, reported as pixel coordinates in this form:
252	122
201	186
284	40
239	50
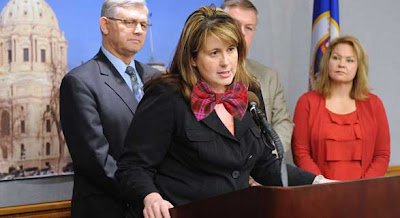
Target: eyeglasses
131	23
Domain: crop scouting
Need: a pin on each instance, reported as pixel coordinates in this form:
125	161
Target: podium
365	198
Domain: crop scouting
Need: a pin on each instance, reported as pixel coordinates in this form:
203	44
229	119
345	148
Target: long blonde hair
360	88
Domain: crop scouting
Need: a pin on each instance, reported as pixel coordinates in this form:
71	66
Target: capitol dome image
33	60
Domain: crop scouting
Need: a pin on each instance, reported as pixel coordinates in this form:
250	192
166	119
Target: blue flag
325	28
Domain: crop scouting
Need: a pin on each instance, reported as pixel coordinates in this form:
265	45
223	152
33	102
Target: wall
283	41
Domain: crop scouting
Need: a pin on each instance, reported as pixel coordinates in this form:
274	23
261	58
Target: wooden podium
366	198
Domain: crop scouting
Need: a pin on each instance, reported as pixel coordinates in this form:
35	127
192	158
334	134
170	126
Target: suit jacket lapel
213	121
140	70
114	80
242	126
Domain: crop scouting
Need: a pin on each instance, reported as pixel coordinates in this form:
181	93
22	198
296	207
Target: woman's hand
253	182
156	207
325	180
320	179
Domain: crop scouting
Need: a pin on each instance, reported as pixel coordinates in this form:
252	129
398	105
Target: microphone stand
273	139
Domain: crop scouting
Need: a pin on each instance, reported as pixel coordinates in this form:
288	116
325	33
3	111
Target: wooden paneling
393	170
44	210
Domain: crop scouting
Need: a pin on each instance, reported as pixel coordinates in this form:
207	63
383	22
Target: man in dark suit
97	103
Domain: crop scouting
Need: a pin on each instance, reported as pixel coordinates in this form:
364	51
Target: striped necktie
135	83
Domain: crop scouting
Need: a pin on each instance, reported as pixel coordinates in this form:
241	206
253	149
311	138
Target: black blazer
170	152
96	109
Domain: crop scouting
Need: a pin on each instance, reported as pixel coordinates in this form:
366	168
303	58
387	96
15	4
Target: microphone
253	101
260	118
273	140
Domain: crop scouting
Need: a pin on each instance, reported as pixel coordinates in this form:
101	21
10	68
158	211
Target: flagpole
152	58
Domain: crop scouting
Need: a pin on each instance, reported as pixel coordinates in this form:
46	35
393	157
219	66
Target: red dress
342	147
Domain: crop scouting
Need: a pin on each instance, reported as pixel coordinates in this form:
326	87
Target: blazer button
235	174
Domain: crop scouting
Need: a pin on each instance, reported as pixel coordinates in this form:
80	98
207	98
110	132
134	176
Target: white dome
31	12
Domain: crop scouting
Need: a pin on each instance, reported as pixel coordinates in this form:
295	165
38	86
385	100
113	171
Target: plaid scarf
204	100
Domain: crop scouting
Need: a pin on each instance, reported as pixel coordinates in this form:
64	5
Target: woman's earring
193	63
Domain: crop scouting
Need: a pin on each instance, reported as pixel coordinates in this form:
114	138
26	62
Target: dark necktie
135	83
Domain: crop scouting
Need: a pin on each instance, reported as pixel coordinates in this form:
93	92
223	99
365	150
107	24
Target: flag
325	27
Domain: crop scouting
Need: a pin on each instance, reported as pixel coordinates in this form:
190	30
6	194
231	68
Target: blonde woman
341	130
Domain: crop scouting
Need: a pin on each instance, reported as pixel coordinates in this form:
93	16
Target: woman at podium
192	136
341	130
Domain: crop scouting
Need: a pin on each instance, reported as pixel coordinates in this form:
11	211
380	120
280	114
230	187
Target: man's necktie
135	83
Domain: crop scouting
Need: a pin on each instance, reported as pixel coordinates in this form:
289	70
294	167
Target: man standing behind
97	103
246	14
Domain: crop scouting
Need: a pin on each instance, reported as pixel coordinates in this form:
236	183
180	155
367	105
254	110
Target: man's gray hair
109	6
244	4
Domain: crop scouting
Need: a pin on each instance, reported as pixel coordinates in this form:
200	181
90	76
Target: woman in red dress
341	130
